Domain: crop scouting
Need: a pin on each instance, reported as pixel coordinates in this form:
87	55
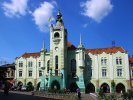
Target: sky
24	24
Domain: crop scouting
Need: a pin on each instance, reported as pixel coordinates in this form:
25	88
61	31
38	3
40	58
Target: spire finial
80	39
43	44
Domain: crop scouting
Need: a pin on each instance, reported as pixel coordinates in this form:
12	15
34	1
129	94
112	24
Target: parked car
14	88
24	88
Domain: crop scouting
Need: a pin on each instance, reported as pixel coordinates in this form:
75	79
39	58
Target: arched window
48	65
56	35
73	67
56	65
56	62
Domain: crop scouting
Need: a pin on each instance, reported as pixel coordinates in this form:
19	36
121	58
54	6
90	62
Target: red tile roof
70	46
131	59
27	55
106	50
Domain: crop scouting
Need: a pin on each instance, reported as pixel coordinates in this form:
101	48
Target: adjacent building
131	70
68	66
7	74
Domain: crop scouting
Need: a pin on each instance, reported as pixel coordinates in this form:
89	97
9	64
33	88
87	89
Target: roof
27	55
106	50
70	46
8	66
131	59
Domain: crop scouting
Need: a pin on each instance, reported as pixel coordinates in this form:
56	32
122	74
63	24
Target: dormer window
56	35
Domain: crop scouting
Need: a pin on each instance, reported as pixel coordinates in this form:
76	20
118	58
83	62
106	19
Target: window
119	72
56	35
40	73
56	62
30	64
30	73
132	73
39	64
73	67
20	64
12	73
103	61
56	65
104	72
20	73
48	65
118	60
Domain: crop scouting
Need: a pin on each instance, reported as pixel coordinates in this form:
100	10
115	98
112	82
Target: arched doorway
120	87
55	85
38	86
73	87
90	88
30	86
105	88
19	85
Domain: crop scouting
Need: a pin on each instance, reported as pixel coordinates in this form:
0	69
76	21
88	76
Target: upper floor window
20	73
73	67
30	73
104	72
119	72
104	61
39	64
56	62
118	60
40	73
48	65
132	73
30	63
20	64
56	35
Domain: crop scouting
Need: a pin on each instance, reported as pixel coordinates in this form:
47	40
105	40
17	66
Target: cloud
15	8
96	9
85	25
42	14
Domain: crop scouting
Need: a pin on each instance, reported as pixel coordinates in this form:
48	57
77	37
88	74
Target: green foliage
128	94
113	86
30	87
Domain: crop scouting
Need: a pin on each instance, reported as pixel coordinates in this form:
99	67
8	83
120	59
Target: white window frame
20	75
104	72
119	72
30	73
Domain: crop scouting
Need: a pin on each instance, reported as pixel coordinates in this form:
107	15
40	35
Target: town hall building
71	67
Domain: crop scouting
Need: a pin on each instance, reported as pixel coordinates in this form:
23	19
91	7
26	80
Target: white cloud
15	8
85	25
96	9
42	14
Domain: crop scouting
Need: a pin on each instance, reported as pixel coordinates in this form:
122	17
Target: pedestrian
78	93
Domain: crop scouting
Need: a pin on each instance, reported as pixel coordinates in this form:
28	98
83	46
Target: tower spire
80	39
43	44
80	44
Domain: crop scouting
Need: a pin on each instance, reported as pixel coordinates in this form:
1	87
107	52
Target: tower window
48	64
56	35
73	67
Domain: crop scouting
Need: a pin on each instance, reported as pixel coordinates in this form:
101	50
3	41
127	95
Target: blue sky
24	24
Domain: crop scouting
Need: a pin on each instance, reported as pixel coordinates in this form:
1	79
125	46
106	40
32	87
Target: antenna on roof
113	43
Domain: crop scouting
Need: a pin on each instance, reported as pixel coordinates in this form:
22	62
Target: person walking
78	93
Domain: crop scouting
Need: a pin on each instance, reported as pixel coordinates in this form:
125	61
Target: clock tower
58	49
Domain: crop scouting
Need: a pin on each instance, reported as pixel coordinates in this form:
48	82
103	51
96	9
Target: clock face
56	48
